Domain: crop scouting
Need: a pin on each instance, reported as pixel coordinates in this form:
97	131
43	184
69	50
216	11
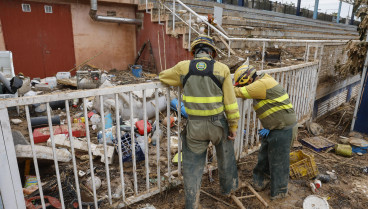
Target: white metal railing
299	81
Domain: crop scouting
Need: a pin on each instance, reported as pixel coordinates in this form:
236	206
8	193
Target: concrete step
142	7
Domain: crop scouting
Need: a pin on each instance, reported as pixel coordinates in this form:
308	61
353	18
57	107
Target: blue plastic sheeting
362	150
174	105
361	123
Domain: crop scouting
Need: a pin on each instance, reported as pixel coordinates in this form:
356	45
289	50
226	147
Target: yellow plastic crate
302	165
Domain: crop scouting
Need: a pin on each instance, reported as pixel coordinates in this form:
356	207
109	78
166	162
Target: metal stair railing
309	43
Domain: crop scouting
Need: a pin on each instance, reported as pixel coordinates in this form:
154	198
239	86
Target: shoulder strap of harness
207	66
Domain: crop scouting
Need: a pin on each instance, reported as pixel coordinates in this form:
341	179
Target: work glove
263	132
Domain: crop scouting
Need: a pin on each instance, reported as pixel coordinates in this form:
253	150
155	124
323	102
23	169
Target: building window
48	9
26	7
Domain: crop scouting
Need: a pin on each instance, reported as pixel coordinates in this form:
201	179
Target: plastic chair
7	68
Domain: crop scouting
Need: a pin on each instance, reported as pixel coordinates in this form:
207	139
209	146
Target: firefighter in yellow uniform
210	103
277	115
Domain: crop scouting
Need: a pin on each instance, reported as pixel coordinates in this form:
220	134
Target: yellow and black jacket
272	103
207	88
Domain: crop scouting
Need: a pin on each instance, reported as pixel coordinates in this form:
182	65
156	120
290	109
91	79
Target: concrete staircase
249	23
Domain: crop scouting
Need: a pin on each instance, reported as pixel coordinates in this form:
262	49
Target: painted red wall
173	46
41	43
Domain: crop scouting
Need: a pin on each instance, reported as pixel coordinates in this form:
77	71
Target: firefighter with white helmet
277	116
212	108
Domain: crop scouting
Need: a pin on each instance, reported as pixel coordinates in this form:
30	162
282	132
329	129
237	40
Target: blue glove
263	132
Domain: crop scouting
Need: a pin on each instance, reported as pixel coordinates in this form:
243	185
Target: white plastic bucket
62	75
315	202
51	81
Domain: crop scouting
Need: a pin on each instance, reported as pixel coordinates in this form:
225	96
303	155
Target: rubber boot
193	165
279	160
226	162
261	172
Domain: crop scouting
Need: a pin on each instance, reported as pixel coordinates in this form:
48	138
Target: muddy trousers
273	161
193	165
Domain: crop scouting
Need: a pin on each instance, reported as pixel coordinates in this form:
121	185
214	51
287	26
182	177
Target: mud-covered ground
350	190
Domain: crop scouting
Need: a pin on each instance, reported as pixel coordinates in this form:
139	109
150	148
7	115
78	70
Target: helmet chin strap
204	50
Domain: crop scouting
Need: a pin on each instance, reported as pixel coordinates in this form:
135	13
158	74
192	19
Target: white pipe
95	17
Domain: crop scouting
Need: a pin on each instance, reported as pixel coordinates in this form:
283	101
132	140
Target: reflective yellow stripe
233	106
233	116
267	101
245	92
202	99
204	112
275	109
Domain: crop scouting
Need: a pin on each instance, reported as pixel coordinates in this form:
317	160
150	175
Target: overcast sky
329	6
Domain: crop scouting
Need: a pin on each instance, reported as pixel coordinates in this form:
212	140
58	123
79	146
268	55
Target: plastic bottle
317	183
95	119
51	81
157	135
75	102
108	120
172	120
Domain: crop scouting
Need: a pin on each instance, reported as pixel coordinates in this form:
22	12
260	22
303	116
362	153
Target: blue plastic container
137	70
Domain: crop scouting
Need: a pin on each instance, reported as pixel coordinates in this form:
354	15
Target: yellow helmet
203	39
243	74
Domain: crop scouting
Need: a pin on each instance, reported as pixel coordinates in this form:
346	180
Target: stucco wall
117	42
2	43
173	46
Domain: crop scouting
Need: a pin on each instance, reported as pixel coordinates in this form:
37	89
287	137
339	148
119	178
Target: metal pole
338	13
229	49
190	30
352	16
263	53
361	88
315	13
298	8
173	15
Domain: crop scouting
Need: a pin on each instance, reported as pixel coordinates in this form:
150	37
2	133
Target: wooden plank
255	193
237	201
218	199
